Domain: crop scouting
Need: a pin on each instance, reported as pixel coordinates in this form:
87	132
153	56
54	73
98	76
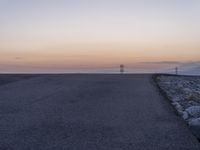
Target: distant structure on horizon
122	68
176	70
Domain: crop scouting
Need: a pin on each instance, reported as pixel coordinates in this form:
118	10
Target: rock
176	99
178	107
193	96
194	111
193	103
195	127
185	115
187	90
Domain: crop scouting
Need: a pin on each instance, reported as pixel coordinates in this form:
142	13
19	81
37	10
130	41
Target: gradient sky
62	35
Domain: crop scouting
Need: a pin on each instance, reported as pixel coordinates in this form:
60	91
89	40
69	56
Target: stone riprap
184	94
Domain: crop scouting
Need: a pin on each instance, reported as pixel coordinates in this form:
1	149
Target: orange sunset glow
74	35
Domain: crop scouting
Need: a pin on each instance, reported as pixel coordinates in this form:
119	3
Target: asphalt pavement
89	112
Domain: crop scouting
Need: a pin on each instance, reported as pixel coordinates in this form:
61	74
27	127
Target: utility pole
121	68
176	70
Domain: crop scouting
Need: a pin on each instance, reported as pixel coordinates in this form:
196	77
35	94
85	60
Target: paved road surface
89	112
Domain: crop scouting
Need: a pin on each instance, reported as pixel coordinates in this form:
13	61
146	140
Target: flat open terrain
89	112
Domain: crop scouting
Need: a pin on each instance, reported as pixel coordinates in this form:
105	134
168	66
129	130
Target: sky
98	35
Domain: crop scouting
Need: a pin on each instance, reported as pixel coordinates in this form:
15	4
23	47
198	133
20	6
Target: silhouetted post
176	70
121	69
